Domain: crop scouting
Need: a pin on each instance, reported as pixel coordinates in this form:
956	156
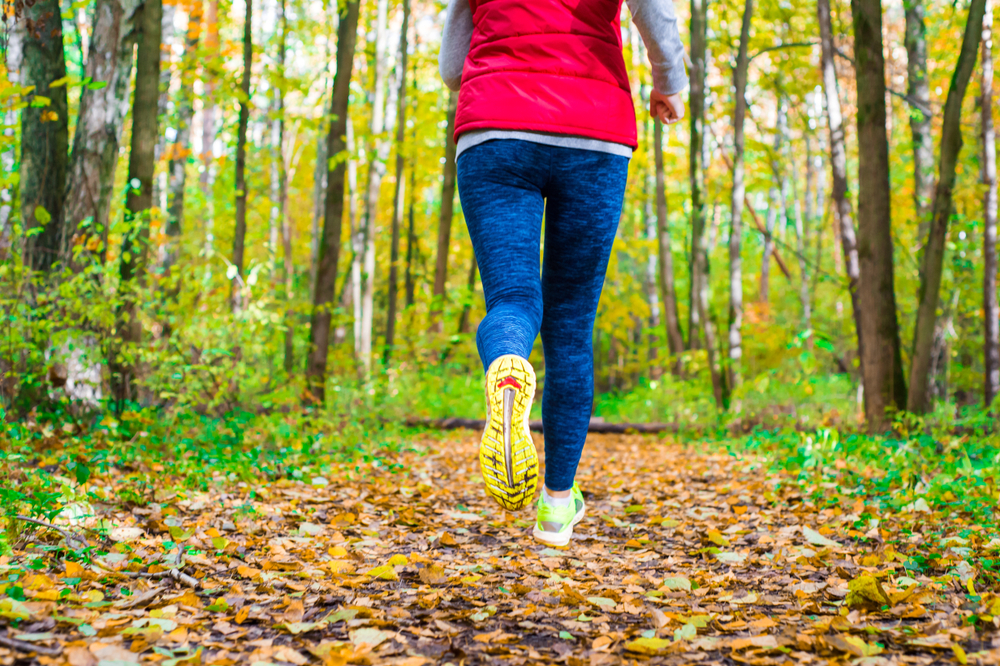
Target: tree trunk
764	292
239	235
400	197
329	250
696	166
703	298
353	298
882	366
802	245
933	260
163	101
739	193
44	136
208	74
651	280
991	306
181	150
918	91
411	242
838	166
383	116
675	340
444	220
463	320
90	181
139	200
287	266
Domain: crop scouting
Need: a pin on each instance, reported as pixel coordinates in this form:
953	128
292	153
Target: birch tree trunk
838	167
991	306
399	200
378	153
206	179
675	340
239	236
883	372
445	218
181	150
139	200
90	180
918	90
736	203
44	136
696	166
951	145
329	251
353	298
8	158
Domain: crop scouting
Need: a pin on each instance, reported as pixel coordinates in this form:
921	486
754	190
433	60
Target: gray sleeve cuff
656	22
455	41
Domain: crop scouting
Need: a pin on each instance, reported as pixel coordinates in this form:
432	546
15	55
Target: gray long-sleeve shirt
656	22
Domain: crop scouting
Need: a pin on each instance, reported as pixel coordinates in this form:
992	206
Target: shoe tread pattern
492	457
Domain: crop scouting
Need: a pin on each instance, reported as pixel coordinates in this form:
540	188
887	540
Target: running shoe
554	525
507	455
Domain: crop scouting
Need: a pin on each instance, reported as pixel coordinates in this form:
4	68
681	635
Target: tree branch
25	646
69	536
776	47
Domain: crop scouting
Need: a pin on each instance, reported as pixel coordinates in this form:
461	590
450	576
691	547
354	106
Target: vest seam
541	126
504	70
495	40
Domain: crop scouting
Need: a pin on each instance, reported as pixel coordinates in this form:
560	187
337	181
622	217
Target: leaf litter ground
686	556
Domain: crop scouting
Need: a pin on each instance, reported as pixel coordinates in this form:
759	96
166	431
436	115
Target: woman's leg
585	196
500	183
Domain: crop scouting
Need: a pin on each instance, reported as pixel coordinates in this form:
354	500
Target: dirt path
683	558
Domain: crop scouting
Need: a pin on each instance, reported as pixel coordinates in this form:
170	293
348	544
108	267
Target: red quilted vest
548	66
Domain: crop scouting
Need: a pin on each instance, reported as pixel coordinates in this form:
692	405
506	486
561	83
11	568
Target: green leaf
42	215
565	635
97	85
82	473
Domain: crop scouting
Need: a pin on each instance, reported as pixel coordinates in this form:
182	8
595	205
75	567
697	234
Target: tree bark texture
738	194
287	264
329	249
139	200
445	218
180	151
208	111
918	89
240	233
399	200
44	135
696	166
90	180
918	400
382	119
882	366
991	303
671	319
838	167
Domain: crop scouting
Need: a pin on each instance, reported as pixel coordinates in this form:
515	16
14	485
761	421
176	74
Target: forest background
227	210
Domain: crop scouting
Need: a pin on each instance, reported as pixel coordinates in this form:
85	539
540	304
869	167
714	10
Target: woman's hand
668	108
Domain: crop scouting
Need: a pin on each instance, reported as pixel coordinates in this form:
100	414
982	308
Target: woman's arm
455	42
656	22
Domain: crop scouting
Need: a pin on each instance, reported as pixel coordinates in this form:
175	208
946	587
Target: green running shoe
554	525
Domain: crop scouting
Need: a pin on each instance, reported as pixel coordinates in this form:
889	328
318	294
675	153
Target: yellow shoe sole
507	456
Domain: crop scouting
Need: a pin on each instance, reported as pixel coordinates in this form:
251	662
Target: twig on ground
69	536
173	572
25	646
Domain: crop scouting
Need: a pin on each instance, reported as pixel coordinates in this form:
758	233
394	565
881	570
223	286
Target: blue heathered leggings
506	186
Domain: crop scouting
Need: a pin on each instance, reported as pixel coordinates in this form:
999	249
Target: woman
546	126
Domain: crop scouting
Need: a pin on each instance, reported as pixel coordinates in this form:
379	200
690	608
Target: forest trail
685	556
